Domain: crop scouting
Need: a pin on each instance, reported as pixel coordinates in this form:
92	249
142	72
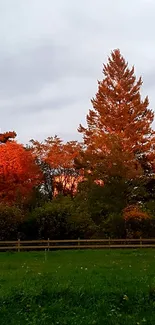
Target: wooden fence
19	245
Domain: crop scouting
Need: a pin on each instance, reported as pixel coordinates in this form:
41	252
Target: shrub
51	219
10	219
137	221
134	212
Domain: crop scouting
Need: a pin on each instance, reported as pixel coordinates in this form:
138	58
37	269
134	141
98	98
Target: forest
103	186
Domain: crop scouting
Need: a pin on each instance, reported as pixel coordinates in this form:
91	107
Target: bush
61	218
138	222
10	220
51	219
134	212
28	228
81	226
113	226
150	207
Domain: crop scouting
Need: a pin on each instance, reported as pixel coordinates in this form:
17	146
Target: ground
78	287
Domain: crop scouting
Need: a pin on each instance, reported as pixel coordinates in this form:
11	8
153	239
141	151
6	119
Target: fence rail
49	244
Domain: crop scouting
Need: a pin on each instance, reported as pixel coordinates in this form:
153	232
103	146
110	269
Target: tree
56	160
18	173
104	205
118	138
7	136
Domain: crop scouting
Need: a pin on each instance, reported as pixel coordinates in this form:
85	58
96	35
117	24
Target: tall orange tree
119	139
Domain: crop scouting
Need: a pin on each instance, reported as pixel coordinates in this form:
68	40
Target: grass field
78	287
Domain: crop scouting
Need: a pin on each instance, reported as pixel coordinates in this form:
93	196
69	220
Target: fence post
48	245
109	242
78	241
18	245
141	241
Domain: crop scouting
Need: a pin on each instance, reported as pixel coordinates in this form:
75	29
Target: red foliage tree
18	172
58	159
118	136
133	212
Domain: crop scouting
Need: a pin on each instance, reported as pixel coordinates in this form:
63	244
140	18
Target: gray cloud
28	71
51	55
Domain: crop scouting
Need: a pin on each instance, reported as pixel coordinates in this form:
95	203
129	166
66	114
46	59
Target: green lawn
78	287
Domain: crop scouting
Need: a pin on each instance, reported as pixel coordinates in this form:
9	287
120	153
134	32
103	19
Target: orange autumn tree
118	138
56	160
135	220
61	158
133	212
18	172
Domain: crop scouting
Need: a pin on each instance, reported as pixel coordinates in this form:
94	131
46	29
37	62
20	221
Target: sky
52	54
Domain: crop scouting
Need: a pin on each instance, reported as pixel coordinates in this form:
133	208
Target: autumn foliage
104	184
7	136
59	158
118	136
18	172
133	212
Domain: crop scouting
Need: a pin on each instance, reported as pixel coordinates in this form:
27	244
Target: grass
78	287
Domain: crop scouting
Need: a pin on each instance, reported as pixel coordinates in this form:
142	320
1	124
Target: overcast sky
51	55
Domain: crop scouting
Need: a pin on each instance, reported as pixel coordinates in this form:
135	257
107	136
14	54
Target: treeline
101	187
